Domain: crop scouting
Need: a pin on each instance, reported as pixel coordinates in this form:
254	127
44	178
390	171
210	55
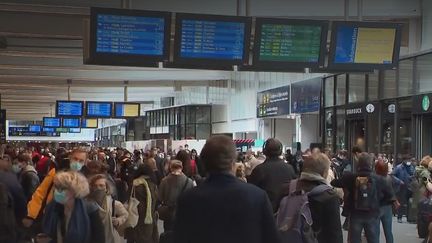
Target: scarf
311	176
78	229
142	181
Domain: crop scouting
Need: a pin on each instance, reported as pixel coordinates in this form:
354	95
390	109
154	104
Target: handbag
166	212
132	208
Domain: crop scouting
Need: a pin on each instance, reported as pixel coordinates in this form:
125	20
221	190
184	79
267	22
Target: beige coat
121	214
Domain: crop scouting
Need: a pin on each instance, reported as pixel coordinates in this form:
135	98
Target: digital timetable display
51	122
208	39
99	109
35	128
373	44
69	108
71	122
89	123
122	34
282	43
127	110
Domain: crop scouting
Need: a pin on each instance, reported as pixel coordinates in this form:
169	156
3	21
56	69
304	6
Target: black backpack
7	215
366	194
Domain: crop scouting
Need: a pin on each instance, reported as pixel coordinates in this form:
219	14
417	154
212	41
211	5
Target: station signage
306	96
422	104
273	102
356	111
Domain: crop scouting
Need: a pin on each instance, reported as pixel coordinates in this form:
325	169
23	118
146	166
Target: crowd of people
91	195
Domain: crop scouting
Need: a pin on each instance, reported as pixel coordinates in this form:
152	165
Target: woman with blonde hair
69	218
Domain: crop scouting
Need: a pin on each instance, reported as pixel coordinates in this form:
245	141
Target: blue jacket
224	209
404	173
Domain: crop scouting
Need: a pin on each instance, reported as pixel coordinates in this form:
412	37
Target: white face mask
408	163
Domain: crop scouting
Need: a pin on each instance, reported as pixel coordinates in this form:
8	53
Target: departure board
290	43
124	34
211	39
98	109
69	108
52	122
372	45
48	129
127	110
35	128
89	123
74	130
71	122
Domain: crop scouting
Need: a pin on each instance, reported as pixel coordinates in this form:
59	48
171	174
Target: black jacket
224	209
384	192
325	210
17	193
29	181
270	176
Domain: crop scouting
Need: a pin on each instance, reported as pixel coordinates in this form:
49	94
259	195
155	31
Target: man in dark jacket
273	173
325	205
27	174
362	216
223	209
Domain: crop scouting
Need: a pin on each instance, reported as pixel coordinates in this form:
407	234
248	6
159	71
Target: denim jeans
386	218
370	226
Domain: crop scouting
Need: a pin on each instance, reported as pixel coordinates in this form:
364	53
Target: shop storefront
382	112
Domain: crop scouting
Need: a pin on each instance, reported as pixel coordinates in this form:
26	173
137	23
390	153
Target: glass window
387	130
203	114
389	83
341	89
406	72
203	131
424	73
190	131
191	112
182	114
340	132
373	86
356	88
373	131
329	91
405	139
329	129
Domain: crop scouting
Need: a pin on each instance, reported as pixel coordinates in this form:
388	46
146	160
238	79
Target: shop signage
370	108
354	111
274	102
425	103
392	108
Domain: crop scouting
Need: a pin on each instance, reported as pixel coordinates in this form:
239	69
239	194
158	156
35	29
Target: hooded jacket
29	181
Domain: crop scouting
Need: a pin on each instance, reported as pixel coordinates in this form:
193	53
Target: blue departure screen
212	39
48	129
71	122
346	44
35	128
66	108
74	130
122	34
52	122
96	109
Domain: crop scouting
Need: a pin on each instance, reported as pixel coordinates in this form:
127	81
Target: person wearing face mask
69	218
44	193
404	172
27	174
112	212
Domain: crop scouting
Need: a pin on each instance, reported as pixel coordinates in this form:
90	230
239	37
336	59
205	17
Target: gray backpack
294	218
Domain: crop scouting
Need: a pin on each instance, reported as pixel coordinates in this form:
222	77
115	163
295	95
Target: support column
125	91
69	82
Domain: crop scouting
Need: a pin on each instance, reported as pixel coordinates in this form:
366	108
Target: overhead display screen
71	122
129	37
74	130
305	96
373	44
70	108
35	128
289	42
52	122
48	129
126	110
98	109
273	102
89	123
62	130
212	39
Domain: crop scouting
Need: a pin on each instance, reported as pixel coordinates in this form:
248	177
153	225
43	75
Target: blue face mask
76	166
60	196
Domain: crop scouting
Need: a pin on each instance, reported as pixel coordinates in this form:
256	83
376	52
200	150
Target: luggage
424	217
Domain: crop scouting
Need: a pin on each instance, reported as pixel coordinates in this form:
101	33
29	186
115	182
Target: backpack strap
293	186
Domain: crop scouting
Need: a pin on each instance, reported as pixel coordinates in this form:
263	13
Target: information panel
70	108
290	43
71	122
99	109
305	96
373	44
48	129
273	102
35	128
127	110
122	34
52	122
74	130
2	125
89	123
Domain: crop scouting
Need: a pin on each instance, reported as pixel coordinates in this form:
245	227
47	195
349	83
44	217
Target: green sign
425	103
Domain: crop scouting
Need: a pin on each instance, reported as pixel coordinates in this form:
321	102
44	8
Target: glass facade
385	118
